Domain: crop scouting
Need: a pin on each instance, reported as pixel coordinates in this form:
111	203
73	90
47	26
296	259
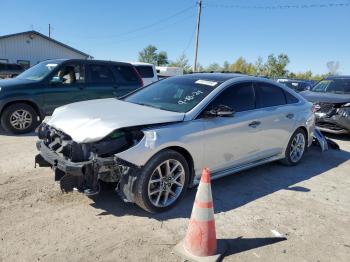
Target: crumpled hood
90	121
326	97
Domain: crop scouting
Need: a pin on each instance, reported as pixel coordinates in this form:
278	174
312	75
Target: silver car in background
155	142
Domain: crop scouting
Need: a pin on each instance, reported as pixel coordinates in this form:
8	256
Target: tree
162	58
276	66
226	66
333	67
260	66
242	66
150	55
182	62
214	67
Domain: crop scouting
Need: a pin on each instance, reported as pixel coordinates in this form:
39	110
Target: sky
118	30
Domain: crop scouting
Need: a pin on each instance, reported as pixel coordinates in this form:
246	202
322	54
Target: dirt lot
309	205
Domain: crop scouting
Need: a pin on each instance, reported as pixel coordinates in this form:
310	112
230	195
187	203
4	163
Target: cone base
183	253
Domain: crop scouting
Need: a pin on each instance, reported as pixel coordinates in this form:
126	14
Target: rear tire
296	148
19	118
170	172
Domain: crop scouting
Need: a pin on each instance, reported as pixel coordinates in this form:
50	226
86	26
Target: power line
272	7
147	34
142	28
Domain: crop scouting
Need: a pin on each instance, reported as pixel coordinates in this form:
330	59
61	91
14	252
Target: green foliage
182	62
150	55
273	67
276	66
214	67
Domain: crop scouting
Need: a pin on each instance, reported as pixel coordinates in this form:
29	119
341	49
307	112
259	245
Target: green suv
35	93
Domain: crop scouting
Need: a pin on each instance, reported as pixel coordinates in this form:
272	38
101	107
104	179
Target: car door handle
254	124
290	115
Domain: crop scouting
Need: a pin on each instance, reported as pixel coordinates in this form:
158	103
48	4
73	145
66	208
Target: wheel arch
28	102
187	155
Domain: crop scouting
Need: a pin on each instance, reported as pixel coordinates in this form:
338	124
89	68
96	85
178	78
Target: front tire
162	182
19	118
296	148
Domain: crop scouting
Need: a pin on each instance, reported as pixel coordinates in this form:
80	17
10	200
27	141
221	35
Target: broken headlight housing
344	110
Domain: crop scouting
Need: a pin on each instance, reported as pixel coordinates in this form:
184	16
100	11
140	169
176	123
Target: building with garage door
31	47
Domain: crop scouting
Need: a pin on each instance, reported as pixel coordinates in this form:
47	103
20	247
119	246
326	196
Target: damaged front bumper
337	121
86	175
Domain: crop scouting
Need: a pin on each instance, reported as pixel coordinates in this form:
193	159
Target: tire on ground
141	192
287	160
8	111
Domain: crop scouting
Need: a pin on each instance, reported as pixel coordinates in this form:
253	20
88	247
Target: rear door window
268	95
240	97
100	74
145	71
126	75
290	98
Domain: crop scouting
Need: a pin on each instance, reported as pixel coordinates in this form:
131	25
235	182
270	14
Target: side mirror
56	80
221	111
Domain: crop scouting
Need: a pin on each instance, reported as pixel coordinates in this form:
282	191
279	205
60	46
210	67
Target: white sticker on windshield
206	82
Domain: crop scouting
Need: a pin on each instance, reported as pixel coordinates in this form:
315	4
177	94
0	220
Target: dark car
34	94
10	70
331	98
296	85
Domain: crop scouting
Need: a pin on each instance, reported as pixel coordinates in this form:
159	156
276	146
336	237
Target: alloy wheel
21	119
166	183
297	147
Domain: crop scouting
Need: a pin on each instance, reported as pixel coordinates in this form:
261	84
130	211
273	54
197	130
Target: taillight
138	74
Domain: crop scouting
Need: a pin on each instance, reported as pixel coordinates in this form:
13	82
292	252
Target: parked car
34	94
147	72
10	70
169	131
331	98
168	71
296	85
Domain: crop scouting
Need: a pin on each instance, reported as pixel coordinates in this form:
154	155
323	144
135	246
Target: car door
101	82
64	86
276	117
232	141
127	79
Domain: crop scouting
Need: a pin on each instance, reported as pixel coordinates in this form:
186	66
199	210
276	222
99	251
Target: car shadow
239	189
342	137
5	133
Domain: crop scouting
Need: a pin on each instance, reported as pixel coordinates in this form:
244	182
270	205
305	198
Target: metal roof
47	38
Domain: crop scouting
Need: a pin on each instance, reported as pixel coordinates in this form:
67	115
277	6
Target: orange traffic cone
200	242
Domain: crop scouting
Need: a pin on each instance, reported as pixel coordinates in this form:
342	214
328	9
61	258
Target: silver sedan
155	142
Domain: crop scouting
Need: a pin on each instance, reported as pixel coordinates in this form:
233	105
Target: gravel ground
309	205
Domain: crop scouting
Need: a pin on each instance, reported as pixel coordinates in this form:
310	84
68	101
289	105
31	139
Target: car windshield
177	94
38	72
341	86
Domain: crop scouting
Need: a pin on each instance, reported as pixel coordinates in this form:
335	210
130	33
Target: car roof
61	60
220	77
337	77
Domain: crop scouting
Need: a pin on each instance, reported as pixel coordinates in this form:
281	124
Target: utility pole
49	30
197	35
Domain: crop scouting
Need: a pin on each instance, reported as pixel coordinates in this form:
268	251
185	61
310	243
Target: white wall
37	49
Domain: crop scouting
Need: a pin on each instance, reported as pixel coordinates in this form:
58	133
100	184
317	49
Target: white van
147	72
168	71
